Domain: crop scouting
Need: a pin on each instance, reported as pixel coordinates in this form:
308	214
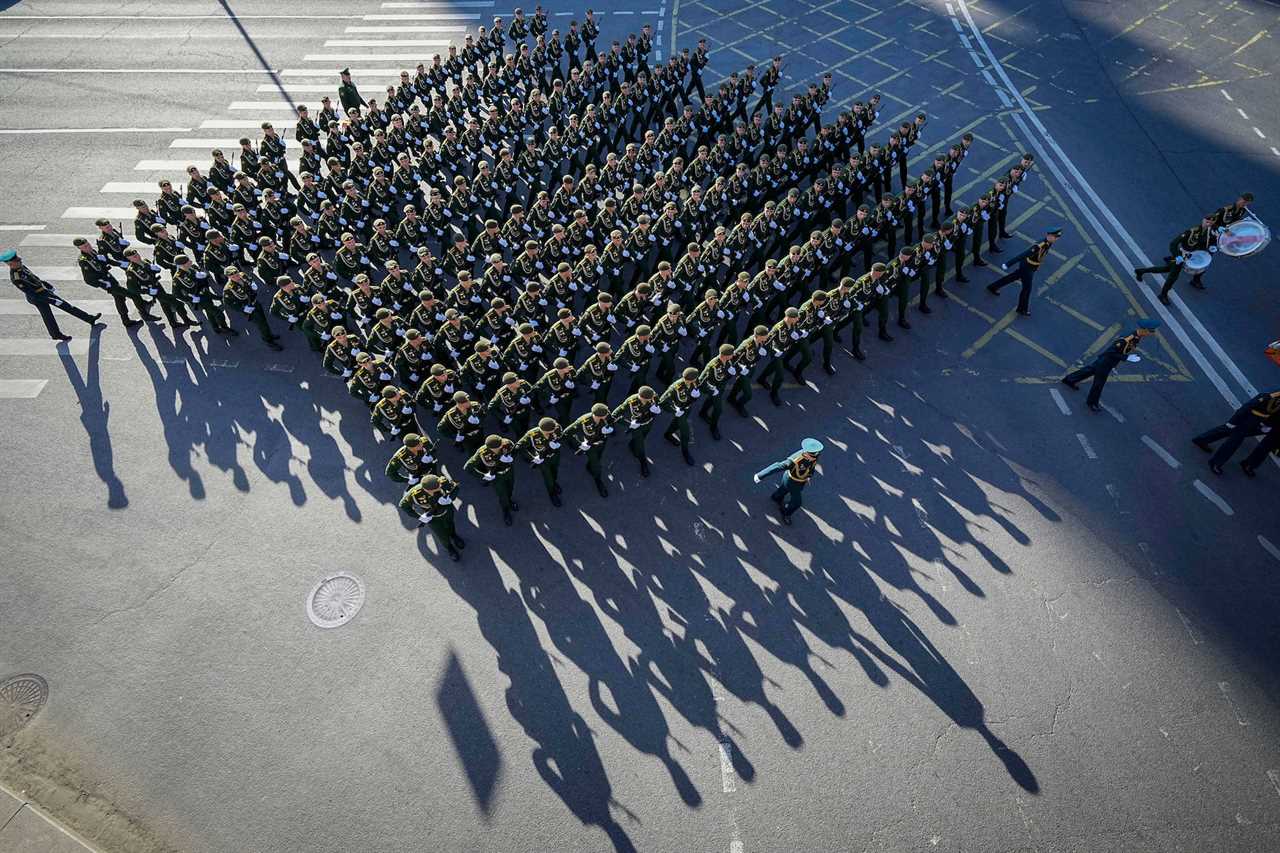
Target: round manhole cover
335	600
21	698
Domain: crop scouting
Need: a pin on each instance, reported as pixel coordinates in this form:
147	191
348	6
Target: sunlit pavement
1001	622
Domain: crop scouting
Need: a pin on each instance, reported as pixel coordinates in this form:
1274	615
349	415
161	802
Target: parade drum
1244	238
1273	351
1197	261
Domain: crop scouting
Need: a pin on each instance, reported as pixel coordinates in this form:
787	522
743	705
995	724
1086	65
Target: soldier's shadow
214	399
95	416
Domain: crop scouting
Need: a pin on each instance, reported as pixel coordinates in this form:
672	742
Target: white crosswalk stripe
429	28
52	274
301	89
135	187
241	106
417	56
386	43
434	16
242	124
198	142
46	239
21	389
114	213
181	165
21	307
43	346
437	4
358	73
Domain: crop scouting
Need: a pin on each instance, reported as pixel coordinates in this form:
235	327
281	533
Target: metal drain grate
335	600
21	698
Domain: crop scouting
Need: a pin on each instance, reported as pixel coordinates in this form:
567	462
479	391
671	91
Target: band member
1201	238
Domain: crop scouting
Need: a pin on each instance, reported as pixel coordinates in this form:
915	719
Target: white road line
1268	547
438	4
1243	114
58	273
60	240
1161	452
237	123
181	165
426	28
387	43
21	389
43	346
1086	446
98	213
241	106
1261	135
1213	498
299	88
1275	151
1186	623
1225	95
1106	234
1110	411
201	142
355	72
32	131
23	308
175	37
420	56
21	227
1225	688
131	187
956	24
728	778
136	71
435	16
219	17
1061	403
987	76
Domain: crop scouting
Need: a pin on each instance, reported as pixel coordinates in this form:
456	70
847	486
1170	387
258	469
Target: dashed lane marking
1243	114
1268	546
21	389
1061	403
1274	776
1225	688
1225	95
1261	135
1213	498
1086	446
47	239
1162	453
21	227
1110	411
1191	630
727	776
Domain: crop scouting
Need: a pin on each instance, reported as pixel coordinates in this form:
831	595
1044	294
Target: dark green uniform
637	415
679	398
543	452
495	465
435	509
591	434
465	428
411	464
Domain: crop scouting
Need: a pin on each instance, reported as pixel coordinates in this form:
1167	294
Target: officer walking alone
797	469
42	295
1028	262
1107	360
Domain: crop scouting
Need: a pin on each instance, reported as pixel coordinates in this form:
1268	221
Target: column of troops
513	231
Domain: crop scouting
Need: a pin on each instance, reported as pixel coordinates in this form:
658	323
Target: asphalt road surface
1002	622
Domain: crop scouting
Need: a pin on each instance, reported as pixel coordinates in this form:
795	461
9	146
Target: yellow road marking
999	326
1107	336
1074	313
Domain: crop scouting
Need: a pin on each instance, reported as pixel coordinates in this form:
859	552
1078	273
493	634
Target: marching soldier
844	310
541	446
191	287
783	337
797	469
634	356
681	396
637	412
1202	238
493	463
413	460
713	379
902	271
1028	262
597	372
95	269
431	503
512	404
745	358
394	413
1251	419
287	302
1107	360
42	295
437	389
555	389
1270	444
339	354
142	281
241	293
463	422
590	432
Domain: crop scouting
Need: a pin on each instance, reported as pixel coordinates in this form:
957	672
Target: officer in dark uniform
1246	421
541	446
42	295
348	95
494	463
1107	361
96	271
1028	262
637	412
590	433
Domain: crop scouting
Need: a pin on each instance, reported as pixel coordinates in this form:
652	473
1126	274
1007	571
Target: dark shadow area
95	414
471	736
257	52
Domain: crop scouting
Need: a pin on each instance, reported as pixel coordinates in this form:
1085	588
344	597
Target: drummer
1230	214
1201	238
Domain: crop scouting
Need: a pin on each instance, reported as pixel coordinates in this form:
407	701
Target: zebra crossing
427	27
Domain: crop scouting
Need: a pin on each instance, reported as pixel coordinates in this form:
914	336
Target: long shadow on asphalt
95	416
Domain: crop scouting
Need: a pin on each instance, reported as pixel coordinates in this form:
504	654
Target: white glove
489	477
755	478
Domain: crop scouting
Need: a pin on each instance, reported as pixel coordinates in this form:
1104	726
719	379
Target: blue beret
811	445
1148	324
8	256
1055	230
